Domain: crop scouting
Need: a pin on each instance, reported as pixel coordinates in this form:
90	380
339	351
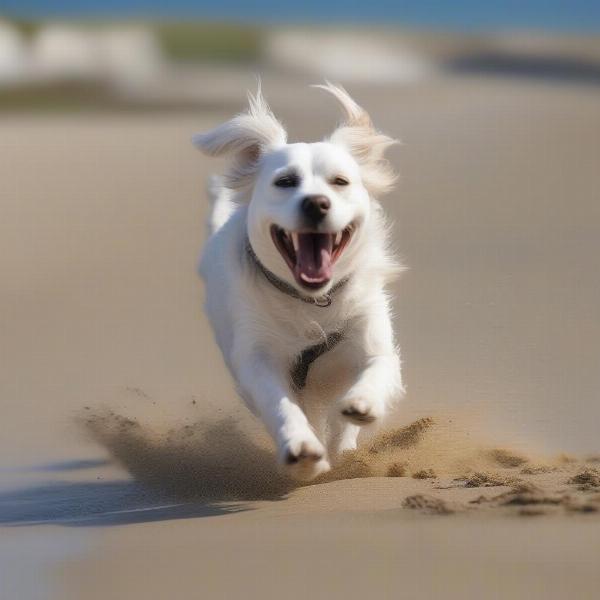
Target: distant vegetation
27	28
209	41
62	96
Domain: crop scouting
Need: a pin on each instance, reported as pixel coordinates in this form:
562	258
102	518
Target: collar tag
323	301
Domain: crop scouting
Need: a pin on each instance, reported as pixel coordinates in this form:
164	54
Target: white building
351	56
14	56
126	57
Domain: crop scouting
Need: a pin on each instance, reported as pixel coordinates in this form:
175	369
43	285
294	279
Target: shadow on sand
98	503
189	472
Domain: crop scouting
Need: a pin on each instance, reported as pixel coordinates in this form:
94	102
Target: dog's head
308	202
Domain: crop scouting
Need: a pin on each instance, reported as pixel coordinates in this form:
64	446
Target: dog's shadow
189	472
98	503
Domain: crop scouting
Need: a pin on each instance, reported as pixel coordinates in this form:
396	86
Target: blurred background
71	54
102	202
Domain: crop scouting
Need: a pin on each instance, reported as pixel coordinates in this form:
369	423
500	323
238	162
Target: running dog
295	269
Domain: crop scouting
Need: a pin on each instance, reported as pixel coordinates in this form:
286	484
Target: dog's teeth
338	238
295	241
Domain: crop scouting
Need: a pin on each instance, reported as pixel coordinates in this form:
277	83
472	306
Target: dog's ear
367	145
245	137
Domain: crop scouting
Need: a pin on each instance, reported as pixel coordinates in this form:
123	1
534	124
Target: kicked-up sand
128	468
451	471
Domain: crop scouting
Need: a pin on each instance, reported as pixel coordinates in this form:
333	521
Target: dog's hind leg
221	204
379	382
343	436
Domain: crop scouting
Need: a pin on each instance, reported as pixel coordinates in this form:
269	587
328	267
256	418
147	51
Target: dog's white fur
261	330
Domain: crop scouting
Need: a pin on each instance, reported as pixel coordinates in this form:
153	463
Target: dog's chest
308	333
311	341
303	361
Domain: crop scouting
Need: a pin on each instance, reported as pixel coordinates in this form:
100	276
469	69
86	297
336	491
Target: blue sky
569	15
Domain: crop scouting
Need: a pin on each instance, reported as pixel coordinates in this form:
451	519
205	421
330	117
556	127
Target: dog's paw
359	411
304	458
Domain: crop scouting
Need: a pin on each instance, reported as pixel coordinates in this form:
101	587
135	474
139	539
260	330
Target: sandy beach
128	467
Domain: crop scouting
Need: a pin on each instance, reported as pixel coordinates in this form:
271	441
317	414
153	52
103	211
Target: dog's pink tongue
313	258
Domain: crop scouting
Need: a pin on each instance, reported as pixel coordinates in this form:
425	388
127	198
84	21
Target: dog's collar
284	287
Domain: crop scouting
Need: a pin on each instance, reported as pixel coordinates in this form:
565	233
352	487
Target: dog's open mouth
311	256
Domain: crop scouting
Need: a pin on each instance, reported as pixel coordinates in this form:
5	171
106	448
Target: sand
219	463
128	468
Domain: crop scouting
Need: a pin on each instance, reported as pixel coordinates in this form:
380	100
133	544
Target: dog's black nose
315	207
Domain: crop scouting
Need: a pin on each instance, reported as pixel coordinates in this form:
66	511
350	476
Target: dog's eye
339	180
287	181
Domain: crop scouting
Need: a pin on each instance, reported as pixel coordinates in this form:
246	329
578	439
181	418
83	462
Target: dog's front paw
359	410
303	457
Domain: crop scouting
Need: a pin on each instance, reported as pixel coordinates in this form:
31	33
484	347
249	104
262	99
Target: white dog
295	269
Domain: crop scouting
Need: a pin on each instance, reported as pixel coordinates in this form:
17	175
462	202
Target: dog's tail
221	204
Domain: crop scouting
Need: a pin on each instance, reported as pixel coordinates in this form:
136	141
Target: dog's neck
285	288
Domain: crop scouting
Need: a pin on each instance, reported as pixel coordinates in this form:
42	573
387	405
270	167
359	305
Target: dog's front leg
379	380
264	386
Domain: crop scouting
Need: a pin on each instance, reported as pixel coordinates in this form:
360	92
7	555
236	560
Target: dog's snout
315	207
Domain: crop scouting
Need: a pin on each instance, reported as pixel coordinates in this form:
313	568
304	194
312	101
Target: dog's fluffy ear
245	137
367	145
